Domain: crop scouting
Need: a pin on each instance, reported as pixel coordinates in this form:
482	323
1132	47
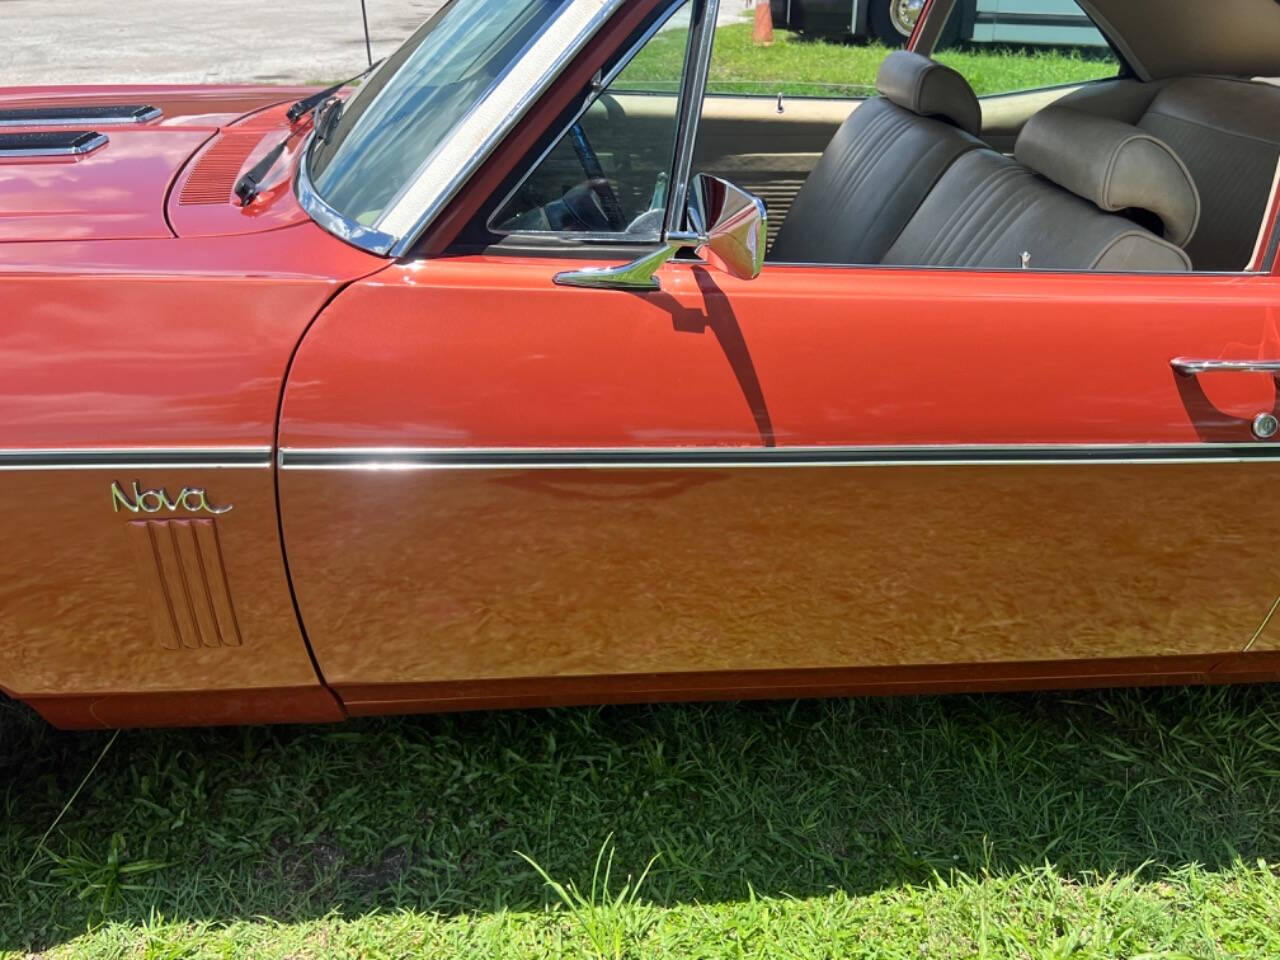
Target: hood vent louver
56	143
215	172
97	115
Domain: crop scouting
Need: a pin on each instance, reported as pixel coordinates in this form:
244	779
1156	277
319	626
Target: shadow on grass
793	798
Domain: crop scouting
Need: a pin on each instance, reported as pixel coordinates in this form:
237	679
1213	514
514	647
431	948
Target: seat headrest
928	88
1113	164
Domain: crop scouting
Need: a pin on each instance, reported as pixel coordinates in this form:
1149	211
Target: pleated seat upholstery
1067	202
881	164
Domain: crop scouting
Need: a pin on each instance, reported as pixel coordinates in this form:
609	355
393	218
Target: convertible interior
1169	166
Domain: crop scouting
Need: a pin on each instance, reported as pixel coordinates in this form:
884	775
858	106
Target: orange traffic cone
762	34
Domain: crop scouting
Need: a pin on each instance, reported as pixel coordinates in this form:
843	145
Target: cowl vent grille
216	170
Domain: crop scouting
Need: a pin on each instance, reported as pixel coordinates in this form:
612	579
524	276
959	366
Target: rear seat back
1057	206
1228	134
881	164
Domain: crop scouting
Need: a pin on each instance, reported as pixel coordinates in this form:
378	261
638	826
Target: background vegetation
1103	824
801	67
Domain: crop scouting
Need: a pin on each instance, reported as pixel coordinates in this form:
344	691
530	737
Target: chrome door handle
1189	367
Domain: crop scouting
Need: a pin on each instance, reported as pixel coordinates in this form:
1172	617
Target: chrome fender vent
103	115
54	143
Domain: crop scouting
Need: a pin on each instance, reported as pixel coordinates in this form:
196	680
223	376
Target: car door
499	489
488	476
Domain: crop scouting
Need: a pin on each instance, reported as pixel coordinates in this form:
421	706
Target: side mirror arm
729	227
639	274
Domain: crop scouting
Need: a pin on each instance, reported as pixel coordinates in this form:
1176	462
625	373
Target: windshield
394	122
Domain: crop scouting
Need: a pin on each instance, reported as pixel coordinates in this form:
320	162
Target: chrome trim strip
693	86
87	119
79	150
357	234
1191	366
516	458
106	458
443	173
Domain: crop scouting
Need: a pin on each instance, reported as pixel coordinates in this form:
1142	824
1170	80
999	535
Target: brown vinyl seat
1227	132
881	164
1059	204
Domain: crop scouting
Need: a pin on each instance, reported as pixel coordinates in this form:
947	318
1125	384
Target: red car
489	383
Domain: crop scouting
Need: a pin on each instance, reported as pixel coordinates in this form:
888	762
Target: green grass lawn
800	67
1104	824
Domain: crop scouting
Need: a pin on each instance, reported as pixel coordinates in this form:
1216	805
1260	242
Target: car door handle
1190	366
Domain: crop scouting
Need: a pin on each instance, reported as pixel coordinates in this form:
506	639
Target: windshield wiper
247	186
251	179
307	104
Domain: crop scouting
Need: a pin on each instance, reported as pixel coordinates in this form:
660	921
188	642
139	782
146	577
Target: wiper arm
248	184
307	104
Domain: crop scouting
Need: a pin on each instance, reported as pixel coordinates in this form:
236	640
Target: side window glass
1006	46
608	173
820	63
771	108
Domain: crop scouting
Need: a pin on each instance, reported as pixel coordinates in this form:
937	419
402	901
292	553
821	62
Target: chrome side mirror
729	230
734	241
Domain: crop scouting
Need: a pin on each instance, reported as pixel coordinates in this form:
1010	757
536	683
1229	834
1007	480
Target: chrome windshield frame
442	174
340	225
488	122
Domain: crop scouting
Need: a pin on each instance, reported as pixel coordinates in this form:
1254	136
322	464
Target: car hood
135	185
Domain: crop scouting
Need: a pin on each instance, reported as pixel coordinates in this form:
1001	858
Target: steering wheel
598	182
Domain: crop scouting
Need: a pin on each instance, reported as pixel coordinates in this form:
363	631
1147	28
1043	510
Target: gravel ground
185	41
211	41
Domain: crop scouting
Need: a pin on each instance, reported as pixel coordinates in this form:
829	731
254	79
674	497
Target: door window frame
599	88
693	78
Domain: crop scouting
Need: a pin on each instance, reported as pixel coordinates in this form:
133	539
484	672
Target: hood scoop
57	143
96	114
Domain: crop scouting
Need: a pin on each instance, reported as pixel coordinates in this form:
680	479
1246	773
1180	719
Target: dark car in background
1020	22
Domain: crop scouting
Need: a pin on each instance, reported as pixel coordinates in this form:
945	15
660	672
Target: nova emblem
153	501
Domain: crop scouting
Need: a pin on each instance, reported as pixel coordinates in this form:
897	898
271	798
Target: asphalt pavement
211	41
185	41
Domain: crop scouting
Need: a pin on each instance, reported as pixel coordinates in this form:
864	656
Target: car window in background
394	122
1005	46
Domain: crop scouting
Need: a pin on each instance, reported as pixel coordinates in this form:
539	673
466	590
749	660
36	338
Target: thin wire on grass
67	806
1262	626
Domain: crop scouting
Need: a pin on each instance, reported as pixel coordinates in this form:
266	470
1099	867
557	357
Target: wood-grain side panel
95	601
456	575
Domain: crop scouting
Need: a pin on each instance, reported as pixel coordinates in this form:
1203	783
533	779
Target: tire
891	21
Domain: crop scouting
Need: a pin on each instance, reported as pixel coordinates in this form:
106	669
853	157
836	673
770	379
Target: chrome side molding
1190	366
392	459
135	458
